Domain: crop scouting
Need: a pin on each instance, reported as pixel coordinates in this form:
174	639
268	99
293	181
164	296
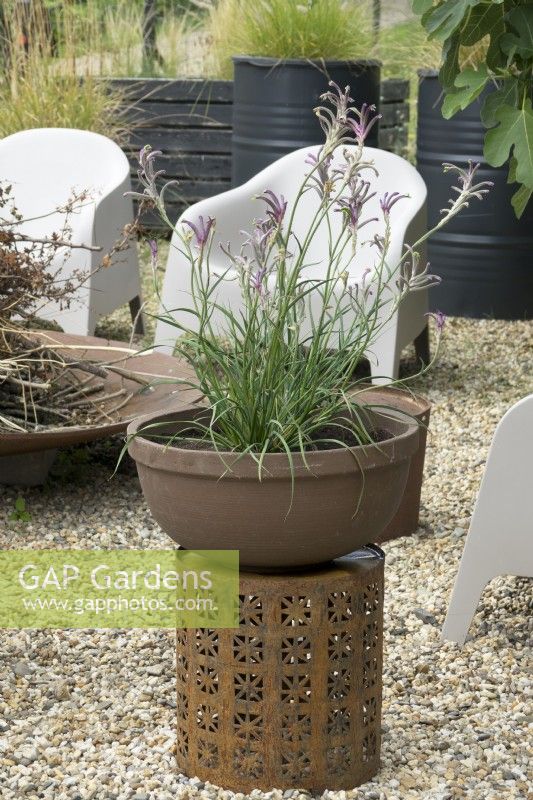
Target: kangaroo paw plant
285	440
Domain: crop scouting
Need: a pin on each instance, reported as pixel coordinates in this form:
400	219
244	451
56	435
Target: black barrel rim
270	61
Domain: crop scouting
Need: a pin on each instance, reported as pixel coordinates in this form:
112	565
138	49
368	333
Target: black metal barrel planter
190	121
273	102
484	256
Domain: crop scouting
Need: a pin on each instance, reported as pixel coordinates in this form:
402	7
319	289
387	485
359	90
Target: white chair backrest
235	210
45	166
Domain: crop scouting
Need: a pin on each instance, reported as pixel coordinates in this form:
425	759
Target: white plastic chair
236	209
500	539
45	166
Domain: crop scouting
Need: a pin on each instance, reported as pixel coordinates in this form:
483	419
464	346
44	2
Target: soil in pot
325	439
292	517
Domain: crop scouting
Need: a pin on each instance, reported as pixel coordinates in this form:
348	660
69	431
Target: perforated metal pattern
292	698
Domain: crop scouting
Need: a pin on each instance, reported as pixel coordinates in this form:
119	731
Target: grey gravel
156	670
22	669
456	720
425	616
25	755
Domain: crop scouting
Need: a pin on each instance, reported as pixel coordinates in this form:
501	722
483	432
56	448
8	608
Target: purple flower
440	319
365	122
466	190
339	99
389	200
201	229
147	158
466	179
412	277
360	291
276	206
334	121
257	281
352	206
320	175
259	239
153	251
148	176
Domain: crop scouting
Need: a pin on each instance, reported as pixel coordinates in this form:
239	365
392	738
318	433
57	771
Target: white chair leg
465	599
479	564
499	540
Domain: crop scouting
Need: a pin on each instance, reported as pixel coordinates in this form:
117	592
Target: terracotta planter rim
420	403
334	461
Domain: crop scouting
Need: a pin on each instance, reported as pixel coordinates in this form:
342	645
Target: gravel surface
91	714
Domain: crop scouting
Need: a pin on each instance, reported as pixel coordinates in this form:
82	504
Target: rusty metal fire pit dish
16	466
291	698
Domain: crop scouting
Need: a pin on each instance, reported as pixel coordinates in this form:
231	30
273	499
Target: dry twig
43	383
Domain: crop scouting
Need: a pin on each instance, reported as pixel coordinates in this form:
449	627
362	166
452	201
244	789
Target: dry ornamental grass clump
41	82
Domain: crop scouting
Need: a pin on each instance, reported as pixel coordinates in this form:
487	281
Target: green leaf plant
271	384
502	31
20	513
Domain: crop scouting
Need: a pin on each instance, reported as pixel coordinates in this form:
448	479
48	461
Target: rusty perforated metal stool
292	698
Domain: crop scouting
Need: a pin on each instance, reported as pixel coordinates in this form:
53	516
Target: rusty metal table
292	698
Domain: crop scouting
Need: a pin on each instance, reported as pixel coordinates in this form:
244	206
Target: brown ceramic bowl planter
343	501
405	520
